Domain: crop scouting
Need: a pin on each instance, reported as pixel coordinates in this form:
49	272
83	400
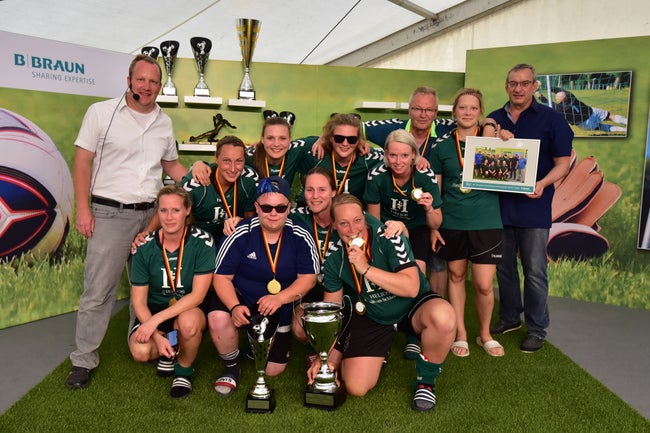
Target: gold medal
464	190
360	308
416	194
356	242
172	301
273	287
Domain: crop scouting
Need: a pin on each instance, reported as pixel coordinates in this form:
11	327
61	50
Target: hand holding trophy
247	31
322	323
261	334
201	48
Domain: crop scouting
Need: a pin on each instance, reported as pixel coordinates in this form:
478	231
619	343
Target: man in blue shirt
527	218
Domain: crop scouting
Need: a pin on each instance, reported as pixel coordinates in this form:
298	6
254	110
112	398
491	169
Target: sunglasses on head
267	208
352	139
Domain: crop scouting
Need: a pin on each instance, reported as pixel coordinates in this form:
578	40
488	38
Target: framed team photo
492	164
595	104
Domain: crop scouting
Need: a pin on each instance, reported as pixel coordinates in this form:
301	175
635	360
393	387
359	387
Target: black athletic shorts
479	246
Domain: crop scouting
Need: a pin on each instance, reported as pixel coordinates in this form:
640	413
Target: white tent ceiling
292	31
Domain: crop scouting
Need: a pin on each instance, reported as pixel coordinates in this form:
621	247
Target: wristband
366	271
492	124
235	306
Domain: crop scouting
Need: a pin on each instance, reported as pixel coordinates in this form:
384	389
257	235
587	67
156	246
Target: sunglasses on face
267	208
352	139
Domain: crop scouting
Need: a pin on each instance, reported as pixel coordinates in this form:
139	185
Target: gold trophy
261	398
247	31
322	323
201	48
169	51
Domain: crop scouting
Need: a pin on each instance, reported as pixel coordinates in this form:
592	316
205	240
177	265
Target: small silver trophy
201	48
152	52
322	323
261	398
247	31
169	51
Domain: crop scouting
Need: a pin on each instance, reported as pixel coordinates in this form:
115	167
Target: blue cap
273	184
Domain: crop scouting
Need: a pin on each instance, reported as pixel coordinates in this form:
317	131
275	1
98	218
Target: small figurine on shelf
211	136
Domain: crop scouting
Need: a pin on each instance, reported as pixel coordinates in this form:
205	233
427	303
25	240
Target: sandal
488	346
460	344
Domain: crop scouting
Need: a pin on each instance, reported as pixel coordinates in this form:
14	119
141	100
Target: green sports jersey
398	204
474	210
293	159
390	254
148	265
356	179
208	207
304	215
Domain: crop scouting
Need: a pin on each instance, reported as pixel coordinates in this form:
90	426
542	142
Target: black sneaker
502	327
531	344
78	378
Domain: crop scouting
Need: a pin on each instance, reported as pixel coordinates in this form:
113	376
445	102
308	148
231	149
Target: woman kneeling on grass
381	278
171	273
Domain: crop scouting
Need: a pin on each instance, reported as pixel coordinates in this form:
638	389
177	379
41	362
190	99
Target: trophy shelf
167	100
197	147
441	108
375	105
246	103
203	100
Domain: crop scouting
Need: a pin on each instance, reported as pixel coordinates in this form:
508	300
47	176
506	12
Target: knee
218	321
357	389
140	352
484	290
457	277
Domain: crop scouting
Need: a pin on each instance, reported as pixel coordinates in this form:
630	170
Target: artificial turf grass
544	391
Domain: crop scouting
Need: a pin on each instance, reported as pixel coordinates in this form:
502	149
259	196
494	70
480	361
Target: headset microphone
135	95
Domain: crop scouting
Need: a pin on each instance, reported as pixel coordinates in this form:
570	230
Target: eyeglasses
420	110
267	208
522	84
352	139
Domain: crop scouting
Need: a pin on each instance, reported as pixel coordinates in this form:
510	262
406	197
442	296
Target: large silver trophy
261	398
247	31
322	322
201	48
169	51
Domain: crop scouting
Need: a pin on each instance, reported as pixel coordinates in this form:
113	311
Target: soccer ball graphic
35	190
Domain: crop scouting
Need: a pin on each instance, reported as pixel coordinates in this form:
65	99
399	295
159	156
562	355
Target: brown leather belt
117	204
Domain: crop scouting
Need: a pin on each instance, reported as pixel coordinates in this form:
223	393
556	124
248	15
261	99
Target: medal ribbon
223	195
168	269
358	279
268	171
321	252
460	154
273	261
339	190
398	188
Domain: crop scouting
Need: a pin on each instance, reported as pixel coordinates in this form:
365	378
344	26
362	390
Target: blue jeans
530	243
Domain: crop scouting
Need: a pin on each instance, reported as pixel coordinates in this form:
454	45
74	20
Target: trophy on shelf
151	52
169	51
247	31
211	135
201	48
261	334
322	323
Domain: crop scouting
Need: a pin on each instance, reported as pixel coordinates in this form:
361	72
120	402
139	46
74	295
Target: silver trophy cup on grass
201	48
261	398
247	31
322	323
